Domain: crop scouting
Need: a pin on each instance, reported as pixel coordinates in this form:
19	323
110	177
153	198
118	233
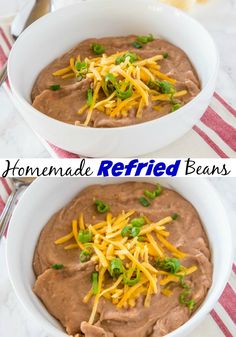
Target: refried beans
120	260
119	82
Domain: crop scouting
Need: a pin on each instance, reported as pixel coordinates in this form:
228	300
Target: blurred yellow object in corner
183	4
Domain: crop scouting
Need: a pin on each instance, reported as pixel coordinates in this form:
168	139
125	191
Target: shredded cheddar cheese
64	238
121	84
139	276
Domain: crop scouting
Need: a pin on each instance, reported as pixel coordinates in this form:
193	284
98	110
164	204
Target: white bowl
43	198
57	32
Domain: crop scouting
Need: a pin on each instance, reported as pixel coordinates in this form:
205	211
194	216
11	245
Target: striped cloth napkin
221	320
214	135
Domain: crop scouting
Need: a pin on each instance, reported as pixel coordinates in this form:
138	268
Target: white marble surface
14	321
218	16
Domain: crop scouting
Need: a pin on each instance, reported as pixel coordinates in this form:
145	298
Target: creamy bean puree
120	260
116	81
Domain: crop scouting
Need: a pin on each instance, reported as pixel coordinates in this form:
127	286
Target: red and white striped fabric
214	135
222	319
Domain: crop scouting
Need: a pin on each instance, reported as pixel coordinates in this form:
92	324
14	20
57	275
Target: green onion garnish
126	231
132	58
57	266
165	55
174	216
150	195
131	281
175	107
138	222
101	206
116	267
134	229
55	87
97	48
158	190
166	87
182	282
110	78
89	97
154	194
135	232
137	45
84	256
124	94
172	265
144	202
109	85
145	38
191	304
184	298
85	236
81	67
183	295
95	282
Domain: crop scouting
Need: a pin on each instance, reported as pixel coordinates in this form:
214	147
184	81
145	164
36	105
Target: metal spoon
40	8
19	184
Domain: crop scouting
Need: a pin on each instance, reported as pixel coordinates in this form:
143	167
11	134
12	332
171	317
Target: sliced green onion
135	232
165	55
84	256
166	87
89	248
184	298
97	48
57	266
137	45
158	190
174	216
191	304
176	106
144	202
145	38
132	58
172	265
138	222
124	94
95	282
110	83
81	66
89	97
116	267
120	59
131	281
85	236
150	195
101	206
154	194
111	78
55	87
126	231
182	282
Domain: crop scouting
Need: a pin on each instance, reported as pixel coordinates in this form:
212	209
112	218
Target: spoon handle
3	74
7	212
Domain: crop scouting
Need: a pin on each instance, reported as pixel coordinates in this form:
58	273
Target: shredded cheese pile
137	257
132	76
